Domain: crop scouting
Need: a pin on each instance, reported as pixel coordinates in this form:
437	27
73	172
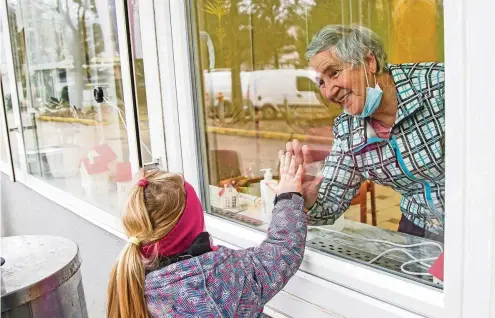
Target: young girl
170	269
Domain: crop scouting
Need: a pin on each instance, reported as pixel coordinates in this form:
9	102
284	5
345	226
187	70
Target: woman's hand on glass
290	175
310	184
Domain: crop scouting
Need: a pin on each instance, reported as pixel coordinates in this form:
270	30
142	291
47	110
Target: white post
170	97
181	38
470	179
130	109
147	34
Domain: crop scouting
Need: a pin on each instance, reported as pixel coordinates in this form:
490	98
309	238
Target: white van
268	90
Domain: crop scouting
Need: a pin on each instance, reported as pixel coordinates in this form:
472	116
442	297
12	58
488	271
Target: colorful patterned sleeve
340	183
279	256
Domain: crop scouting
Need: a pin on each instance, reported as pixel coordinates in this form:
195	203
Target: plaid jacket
411	161
232	283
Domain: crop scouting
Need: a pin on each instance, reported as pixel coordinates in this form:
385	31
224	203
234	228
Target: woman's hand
290	178
310	184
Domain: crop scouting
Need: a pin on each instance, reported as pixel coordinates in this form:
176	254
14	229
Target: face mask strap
366	75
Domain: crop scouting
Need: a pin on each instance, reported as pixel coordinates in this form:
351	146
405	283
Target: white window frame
6	167
127	86
456	300
152	82
170	96
470	228
19	173
184	91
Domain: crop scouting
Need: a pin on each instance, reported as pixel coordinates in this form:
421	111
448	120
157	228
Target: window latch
156	163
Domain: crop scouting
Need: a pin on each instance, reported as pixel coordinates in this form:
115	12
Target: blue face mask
373	98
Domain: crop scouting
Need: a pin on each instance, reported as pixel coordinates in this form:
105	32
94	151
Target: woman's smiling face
340	82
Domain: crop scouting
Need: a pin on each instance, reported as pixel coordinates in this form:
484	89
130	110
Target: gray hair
351	44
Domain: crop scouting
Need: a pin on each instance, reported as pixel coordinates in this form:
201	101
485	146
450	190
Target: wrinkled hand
290	179
310	184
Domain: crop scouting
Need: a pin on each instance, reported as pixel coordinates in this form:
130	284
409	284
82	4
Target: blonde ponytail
150	213
126	288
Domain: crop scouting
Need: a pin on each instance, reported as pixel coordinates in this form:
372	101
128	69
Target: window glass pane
3	152
7	100
63	51
384	174
3	142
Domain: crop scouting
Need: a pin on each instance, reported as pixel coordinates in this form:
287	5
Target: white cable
402	268
379	241
414	260
399	250
123	122
392	250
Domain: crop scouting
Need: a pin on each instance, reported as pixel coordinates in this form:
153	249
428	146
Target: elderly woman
391	130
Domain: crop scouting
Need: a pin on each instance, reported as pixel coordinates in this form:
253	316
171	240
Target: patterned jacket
232	283
411	161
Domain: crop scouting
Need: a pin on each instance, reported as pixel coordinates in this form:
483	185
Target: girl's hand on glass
290	176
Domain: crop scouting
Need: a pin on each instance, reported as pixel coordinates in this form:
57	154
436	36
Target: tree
78	47
227	23
308	18
271	22
76	38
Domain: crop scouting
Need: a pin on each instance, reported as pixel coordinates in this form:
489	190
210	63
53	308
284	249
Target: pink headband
189	226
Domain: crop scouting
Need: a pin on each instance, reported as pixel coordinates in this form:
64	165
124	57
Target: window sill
91	213
4	167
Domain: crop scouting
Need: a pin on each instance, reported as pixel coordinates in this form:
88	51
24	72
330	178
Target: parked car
220	82
268	91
